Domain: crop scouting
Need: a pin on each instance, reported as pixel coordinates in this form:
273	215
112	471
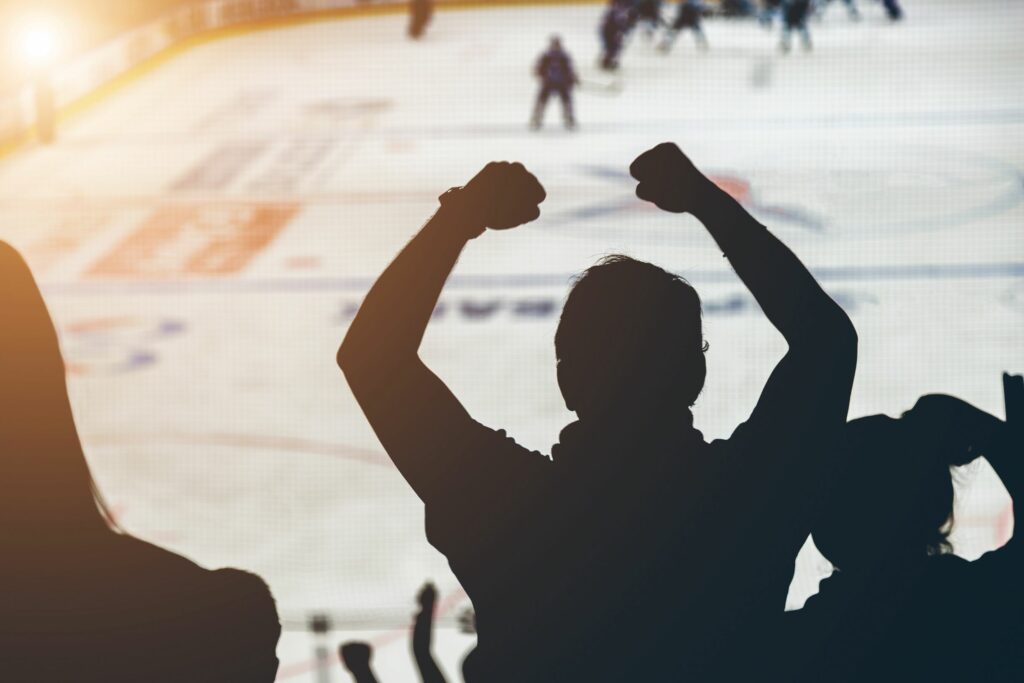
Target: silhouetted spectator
80	601
900	606
356	658
422	636
638	551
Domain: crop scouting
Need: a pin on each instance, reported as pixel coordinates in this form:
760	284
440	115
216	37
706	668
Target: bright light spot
38	44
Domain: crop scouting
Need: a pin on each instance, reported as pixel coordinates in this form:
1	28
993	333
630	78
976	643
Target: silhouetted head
891	498
243	631
46	489
555	43
630	342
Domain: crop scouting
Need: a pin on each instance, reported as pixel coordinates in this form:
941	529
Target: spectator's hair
891	495
244	623
630	331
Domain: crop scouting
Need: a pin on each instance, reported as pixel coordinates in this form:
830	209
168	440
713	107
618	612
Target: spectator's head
47	487
891	497
630	342
244	628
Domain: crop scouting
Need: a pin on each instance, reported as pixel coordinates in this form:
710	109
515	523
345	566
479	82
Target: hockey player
557	77
420	13
893	9
616	22
769	10
688	16
794	18
648	13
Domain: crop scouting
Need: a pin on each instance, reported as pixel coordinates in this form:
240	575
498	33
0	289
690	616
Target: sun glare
38	43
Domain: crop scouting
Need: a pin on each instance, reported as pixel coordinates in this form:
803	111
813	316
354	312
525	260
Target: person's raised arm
356	657
958	433
422	637
416	417
787	293
806	398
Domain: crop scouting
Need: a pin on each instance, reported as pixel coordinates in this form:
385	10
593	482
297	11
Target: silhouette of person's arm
422	635
356	658
420	423
957	433
809	390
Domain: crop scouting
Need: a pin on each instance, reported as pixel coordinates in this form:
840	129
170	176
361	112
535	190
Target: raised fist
501	196
427	596
668	179
356	656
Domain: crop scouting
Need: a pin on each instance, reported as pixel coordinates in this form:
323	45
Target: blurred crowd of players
622	18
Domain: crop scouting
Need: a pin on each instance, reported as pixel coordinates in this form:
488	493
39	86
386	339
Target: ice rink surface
205	234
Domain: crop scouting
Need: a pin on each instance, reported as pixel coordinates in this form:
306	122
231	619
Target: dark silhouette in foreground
900	606
557	77
356	655
82	602
671	556
423	635
356	658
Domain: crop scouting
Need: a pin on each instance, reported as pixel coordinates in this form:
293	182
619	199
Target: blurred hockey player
420	13
616	22
893	9
557	77
794	18
648	14
736	8
688	16
769	10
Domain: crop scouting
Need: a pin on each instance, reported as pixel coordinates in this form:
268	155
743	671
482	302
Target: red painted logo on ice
214	239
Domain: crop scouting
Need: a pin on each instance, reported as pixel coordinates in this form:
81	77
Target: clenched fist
668	179
501	196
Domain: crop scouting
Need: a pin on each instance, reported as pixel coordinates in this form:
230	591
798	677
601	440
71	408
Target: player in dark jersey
557	77
794	18
769	10
648	15
616	22
893	9
688	16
